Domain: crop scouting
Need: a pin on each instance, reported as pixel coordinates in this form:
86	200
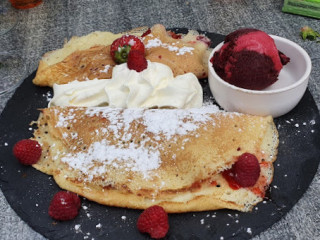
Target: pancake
88	57
136	158
95	62
182	55
80	58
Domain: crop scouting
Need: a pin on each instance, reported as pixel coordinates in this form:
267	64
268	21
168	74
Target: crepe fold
137	158
88	57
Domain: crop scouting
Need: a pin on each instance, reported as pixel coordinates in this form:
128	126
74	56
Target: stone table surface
46	27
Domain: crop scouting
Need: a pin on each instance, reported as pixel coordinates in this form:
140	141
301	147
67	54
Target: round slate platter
29	191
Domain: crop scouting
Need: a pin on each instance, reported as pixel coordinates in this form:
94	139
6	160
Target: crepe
81	58
137	158
182	55
88	57
95	62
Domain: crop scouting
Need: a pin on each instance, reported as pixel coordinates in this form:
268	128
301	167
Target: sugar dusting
143	156
156	42
132	158
106	69
48	96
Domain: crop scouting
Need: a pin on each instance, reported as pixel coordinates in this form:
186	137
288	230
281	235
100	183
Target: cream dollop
82	94
154	87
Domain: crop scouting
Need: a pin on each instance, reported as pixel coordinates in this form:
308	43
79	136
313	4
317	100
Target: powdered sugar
157	121
132	42
48	96
106	69
63	120
77	227
167	122
156	42
130	158
185	50
125	154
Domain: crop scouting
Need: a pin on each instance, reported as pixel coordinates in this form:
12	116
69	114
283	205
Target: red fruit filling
204	39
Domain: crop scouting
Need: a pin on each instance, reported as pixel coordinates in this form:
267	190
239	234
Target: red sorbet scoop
249	59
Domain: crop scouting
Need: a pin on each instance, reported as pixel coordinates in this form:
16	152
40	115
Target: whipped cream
85	93
154	87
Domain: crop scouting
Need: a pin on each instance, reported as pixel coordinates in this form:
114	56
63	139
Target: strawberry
27	151
64	206
121	47
246	170
154	220
137	61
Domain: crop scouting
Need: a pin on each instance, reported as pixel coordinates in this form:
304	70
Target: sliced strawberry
121	47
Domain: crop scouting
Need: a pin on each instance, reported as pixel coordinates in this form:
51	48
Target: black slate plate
29	191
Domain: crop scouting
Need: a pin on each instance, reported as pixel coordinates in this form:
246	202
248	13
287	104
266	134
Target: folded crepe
88	57
137	158
80	58
187	53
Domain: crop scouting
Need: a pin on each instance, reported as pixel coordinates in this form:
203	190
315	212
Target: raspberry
154	220
246	170
64	206
27	151
137	61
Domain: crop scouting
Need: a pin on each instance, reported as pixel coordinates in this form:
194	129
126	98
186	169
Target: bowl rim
273	91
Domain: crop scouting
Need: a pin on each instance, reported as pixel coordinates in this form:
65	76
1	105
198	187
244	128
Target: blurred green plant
307	33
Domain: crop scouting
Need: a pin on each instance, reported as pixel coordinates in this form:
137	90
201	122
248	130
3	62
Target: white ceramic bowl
276	100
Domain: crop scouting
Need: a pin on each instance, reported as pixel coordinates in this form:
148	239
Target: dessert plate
29	191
